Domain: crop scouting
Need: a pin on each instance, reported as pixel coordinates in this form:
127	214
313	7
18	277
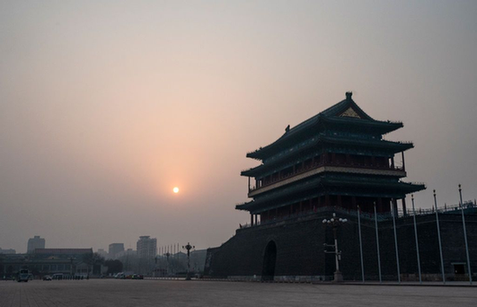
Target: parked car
47	277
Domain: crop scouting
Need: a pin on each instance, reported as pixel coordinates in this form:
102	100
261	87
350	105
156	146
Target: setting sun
175	190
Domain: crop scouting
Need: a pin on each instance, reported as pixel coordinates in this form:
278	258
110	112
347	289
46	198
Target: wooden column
380	204
403	165
251	219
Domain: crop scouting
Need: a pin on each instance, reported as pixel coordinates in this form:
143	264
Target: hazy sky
105	106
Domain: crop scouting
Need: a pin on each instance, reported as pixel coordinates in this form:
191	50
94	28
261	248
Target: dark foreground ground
110	292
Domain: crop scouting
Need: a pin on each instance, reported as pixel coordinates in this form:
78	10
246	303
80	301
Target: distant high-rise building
35	242
115	249
146	247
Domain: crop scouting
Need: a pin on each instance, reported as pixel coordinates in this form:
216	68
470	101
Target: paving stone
111	292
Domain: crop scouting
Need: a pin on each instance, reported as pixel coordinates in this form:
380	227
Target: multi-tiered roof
337	153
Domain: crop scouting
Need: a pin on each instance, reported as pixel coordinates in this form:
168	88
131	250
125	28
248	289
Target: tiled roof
332	114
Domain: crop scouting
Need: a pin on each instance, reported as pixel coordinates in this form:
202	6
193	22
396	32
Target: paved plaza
111	292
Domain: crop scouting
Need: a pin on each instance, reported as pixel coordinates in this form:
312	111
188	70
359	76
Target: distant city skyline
106	107
115	250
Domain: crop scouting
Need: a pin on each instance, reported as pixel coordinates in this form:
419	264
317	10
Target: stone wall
300	251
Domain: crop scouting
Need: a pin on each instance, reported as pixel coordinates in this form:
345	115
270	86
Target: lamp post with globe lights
188	247
335	222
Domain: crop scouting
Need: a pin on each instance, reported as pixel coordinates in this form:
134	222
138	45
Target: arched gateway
269	261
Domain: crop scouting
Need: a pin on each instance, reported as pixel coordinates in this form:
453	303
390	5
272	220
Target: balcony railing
300	171
468	206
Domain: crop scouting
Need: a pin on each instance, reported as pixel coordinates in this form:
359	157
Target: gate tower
337	158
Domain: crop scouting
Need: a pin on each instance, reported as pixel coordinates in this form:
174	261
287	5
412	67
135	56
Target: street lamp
335	223
188	247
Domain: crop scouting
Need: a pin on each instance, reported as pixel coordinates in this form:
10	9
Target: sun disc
175	190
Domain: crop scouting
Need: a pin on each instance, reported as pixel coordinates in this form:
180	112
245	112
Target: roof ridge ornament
348	95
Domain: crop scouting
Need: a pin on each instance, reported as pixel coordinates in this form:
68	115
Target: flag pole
395	241
465	235
360	243
377	242
417	241
439	238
